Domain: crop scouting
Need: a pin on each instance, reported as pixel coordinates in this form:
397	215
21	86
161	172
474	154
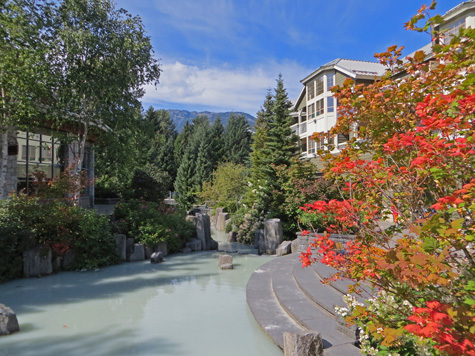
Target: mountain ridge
180	117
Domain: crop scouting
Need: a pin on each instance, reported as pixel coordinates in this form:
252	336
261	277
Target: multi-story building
315	110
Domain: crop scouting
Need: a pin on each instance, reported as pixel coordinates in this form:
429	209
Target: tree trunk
4	150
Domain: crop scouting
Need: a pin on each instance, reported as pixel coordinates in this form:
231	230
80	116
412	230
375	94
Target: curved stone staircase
284	297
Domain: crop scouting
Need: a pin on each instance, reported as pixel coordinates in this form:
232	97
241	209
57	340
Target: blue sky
223	55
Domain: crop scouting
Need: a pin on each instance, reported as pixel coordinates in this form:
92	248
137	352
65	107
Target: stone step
264	306
322	295
302	309
340	286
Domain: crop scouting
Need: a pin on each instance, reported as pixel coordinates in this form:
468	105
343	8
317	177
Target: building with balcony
315	109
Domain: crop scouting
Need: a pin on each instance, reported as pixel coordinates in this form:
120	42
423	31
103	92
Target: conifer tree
237	140
281	140
217	144
260	154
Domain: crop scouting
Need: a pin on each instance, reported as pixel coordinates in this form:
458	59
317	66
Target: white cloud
223	88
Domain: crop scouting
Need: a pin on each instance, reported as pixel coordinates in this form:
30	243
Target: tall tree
260	153
237	140
102	61
217	143
161	153
281	139
25	73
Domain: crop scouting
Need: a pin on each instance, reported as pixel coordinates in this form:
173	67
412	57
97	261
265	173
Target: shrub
95	245
150	223
26	222
150	184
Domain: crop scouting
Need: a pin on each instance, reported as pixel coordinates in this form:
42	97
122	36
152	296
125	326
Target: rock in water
8	321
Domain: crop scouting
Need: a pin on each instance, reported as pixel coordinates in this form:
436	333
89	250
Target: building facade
39	152
315	109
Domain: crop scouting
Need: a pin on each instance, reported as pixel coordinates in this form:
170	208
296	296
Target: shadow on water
110	282
123	342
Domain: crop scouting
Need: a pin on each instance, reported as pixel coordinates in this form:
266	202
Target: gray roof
353	68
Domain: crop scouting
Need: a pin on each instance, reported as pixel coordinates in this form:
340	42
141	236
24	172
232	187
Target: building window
311	90
39	153
320	107
330	104
311	146
311	110
319	82
330	80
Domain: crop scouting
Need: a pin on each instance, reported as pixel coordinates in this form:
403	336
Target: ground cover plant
419	135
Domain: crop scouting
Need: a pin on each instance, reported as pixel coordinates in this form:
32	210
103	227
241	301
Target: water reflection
184	306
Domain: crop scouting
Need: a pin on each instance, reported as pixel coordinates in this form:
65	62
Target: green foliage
95	246
26	37
237	140
299	185
227	187
150	223
150	184
161	153
27	222
201	147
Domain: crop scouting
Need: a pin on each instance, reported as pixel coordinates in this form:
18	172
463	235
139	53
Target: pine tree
217	144
281	140
237	140
260	153
184	180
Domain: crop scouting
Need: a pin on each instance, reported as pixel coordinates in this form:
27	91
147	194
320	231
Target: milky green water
184	306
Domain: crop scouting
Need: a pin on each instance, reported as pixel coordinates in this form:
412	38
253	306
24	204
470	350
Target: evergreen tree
217	144
237	140
161	153
182	142
184	180
260	153
281	140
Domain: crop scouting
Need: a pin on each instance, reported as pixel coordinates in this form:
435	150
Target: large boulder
161	247
232	235
284	248
194	245
213	245
129	243
68	260
216	214
203	231
221	221
258	239
309	344
8	321
267	242
37	262
138	253
121	244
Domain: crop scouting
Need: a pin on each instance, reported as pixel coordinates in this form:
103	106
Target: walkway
284	297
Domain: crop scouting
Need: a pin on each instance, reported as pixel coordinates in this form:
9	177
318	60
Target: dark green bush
95	245
26	222
150	184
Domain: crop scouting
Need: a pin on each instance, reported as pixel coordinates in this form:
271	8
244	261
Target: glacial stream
185	306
